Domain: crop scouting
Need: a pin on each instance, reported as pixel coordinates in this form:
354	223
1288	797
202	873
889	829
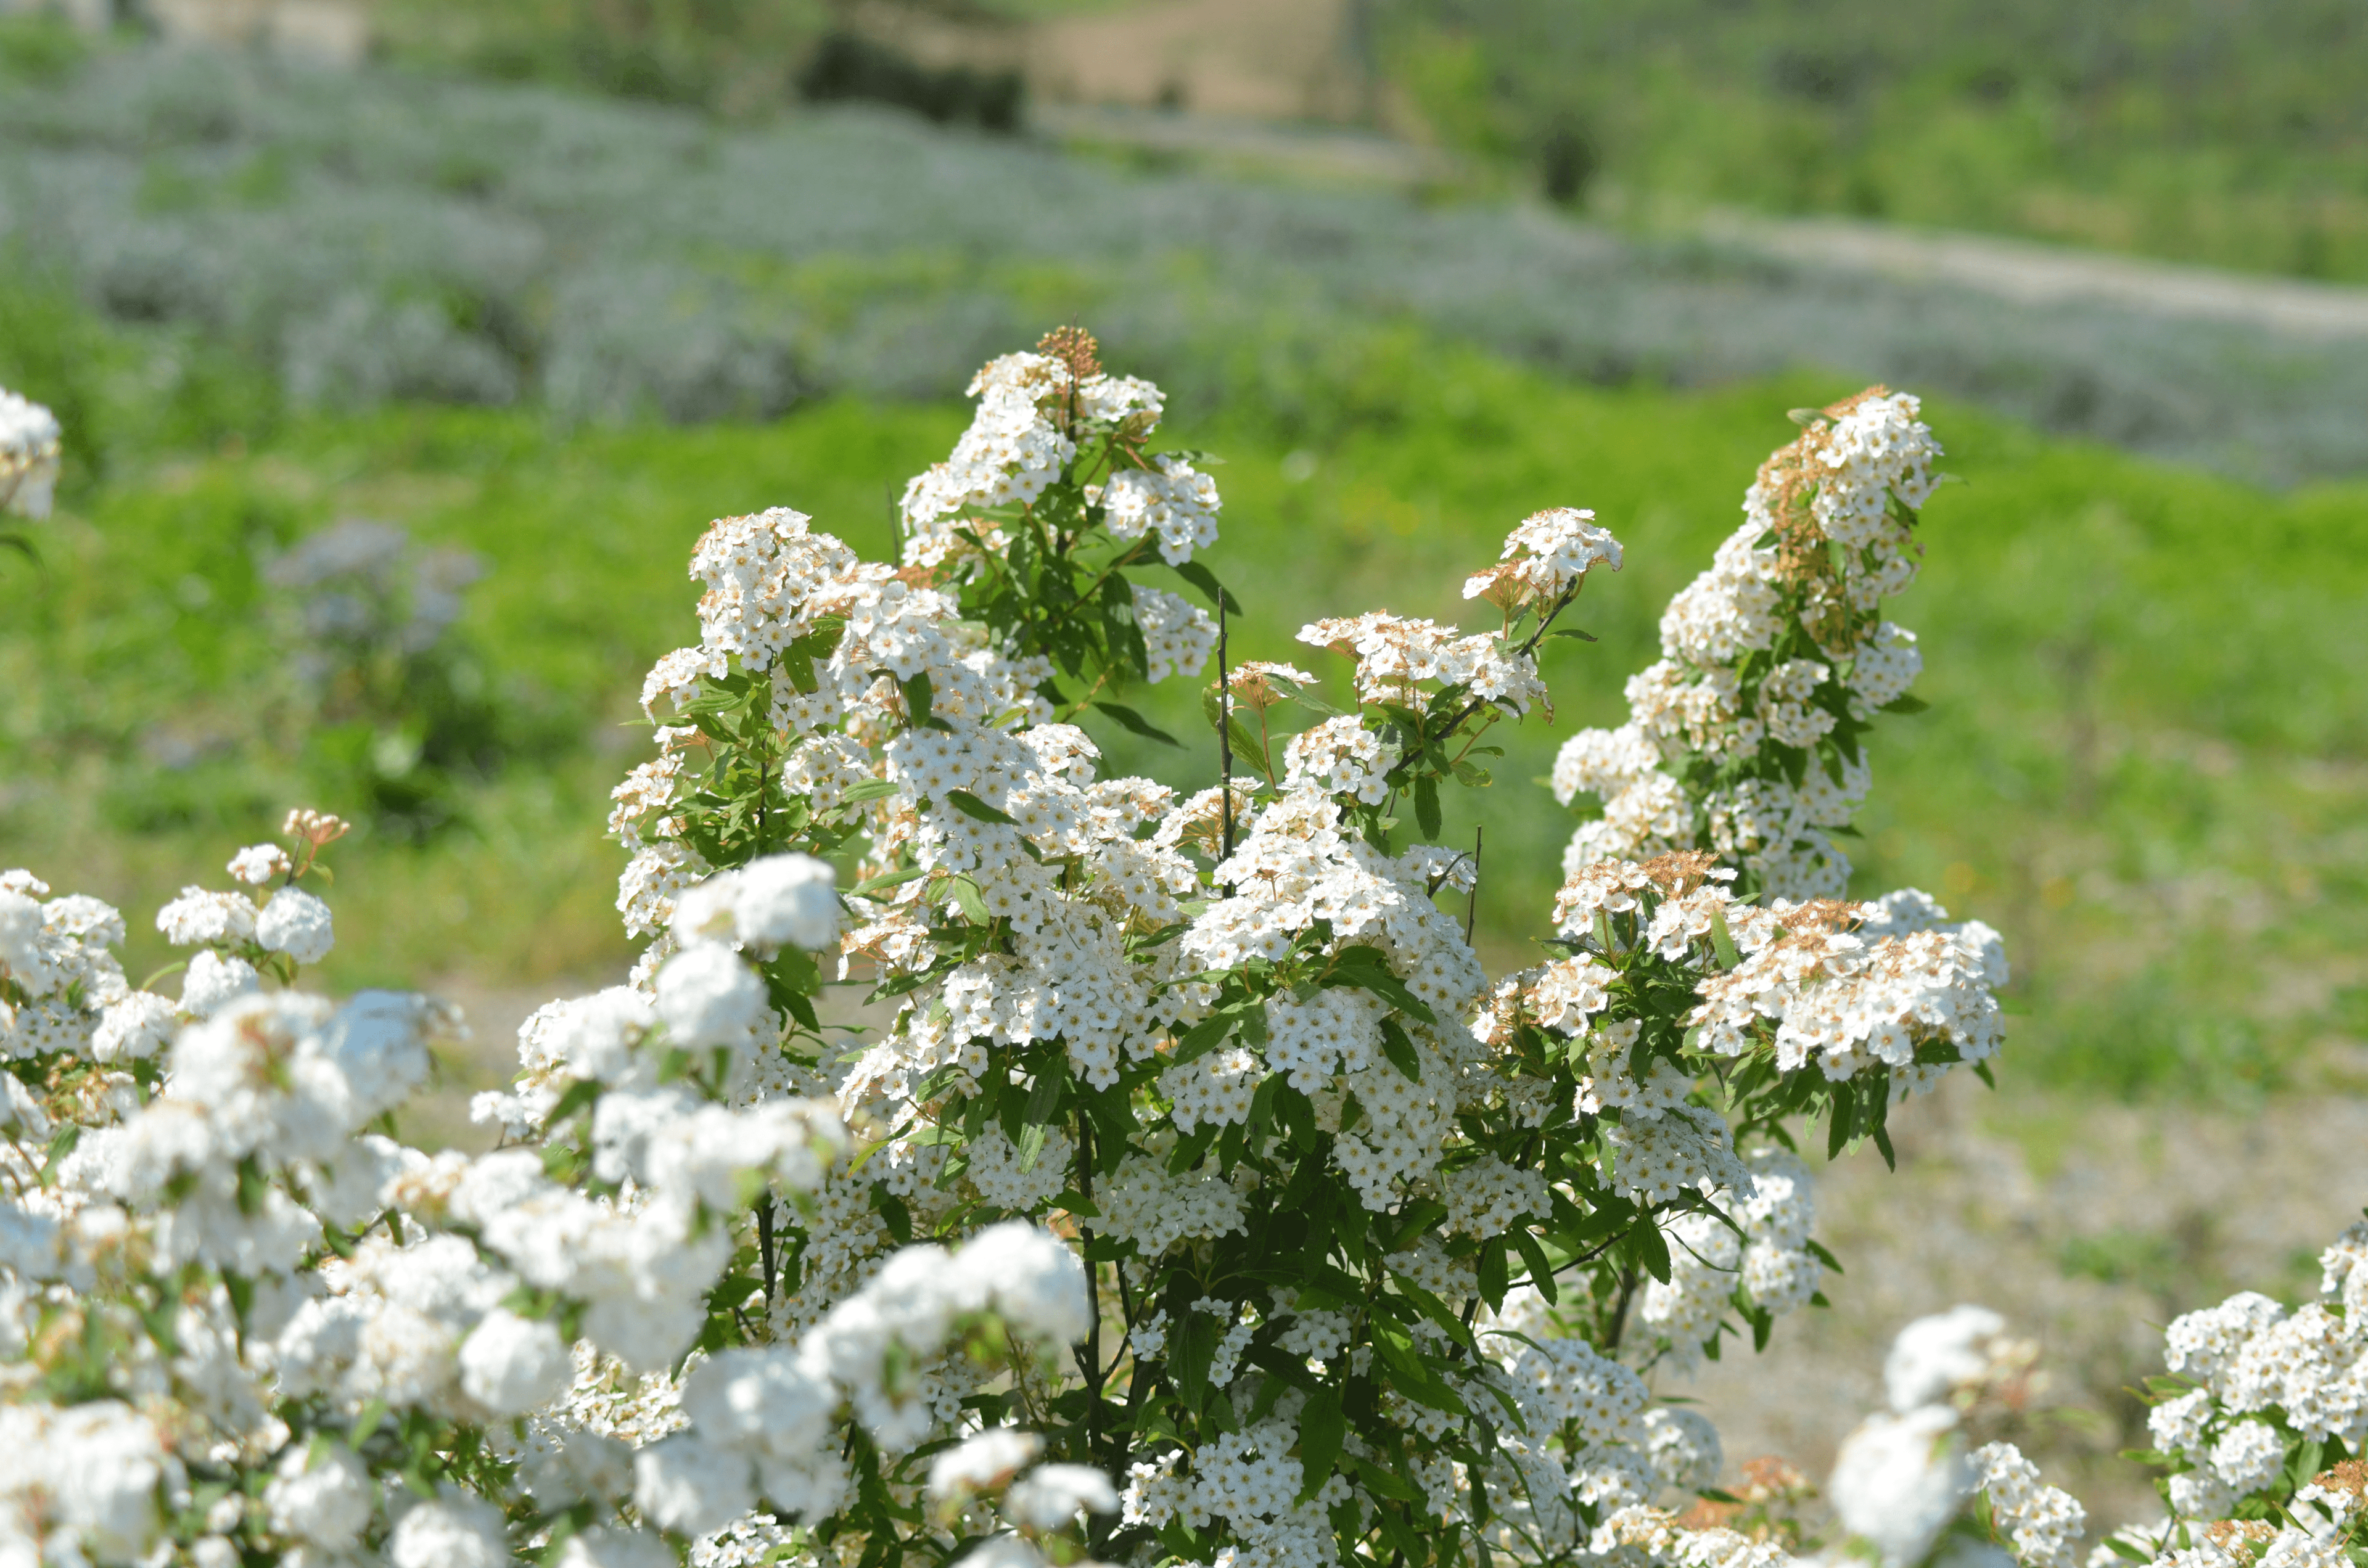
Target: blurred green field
2234	135
2146	760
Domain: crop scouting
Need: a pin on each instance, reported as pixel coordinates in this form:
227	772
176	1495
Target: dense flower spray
1201	1202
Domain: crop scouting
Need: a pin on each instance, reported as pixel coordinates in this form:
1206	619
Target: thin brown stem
1472	905
1225	738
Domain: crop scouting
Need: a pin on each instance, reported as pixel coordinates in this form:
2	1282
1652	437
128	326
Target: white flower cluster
1906	984
1770	1262
2042	1523
1145	1205
1171	499
1395	656
1764	657
1297	866
1339	756
30	450
1177	637
1545	558
340	1277
60	983
1906	1473
1035	413
2264	1379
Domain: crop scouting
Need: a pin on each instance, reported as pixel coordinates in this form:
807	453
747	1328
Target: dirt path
2036	274
2023	271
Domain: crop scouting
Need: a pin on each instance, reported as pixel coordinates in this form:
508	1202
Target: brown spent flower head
1680	871
1199	822
1253	683
314	832
2351	1478
1788	479
1074	347
1767	1504
2241	1539
1820	917
315	828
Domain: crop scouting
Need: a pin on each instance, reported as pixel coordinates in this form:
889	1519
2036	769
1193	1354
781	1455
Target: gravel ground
2088	1226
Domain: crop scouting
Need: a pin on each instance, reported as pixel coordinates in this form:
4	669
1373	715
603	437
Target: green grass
2146	762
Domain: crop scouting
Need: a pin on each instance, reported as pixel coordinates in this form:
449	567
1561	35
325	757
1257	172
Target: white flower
982	1464
199	917
615	1546
782	899
1052	1497
99	1467
1936	1355
297	924
685	1482
1898	1479
2248	1456
212	982
30	440
258	863
707	997
1029	1275
135	1028
326	1501
512	1364
451	1531
1683	1447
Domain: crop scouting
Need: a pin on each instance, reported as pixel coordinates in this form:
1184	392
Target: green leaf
1495	1272
1400	1051
1369	969
1044	1105
869	790
1907	702
872	887
1382	1483
1202	1038
1200	577
891	1209
1541	1274
1322	1429
1410	1375
1191	1345
970	806
917	696
1572	631
1135	724
1654	1250
965	894
1722	941
1426	805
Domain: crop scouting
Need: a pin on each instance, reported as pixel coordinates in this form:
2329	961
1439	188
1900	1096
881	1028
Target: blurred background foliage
2233	132
395	399
2227	131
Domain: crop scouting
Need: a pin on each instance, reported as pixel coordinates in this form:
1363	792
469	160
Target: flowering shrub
28	458
1203	1201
